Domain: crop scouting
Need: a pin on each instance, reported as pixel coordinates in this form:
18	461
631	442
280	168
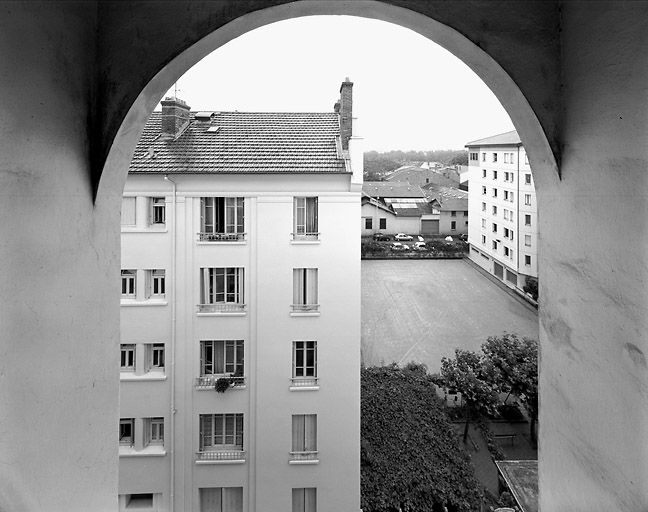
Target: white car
402	237
419	246
397	246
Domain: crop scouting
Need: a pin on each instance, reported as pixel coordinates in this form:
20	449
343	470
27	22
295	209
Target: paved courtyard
421	310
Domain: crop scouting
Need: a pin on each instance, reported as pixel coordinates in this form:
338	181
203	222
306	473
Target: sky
408	93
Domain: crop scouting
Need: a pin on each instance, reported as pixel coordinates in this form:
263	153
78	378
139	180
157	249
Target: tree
515	368
531	286
461	159
410	457
471	375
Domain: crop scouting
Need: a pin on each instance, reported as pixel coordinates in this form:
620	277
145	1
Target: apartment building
503	230
240	312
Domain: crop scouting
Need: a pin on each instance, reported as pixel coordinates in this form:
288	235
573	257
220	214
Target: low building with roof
240	260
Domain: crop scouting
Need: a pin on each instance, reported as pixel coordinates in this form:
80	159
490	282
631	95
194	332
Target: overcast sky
408	93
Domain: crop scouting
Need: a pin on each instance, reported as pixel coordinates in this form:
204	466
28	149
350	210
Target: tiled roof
503	139
449	198
245	142
417	175
391	189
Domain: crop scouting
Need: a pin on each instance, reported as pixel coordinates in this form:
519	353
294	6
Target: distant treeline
378	163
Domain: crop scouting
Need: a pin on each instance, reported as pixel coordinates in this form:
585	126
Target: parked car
419	246
397	246
420	238
381	237
402	237
463	237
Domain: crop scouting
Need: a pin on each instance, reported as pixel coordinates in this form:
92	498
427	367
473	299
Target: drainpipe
172	349
518	212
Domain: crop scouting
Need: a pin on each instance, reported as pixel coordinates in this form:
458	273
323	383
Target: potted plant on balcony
222	384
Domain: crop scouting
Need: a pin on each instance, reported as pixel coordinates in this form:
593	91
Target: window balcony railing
304	307
305	236
221	455
302	382
305	455
222	307
220	237
209	381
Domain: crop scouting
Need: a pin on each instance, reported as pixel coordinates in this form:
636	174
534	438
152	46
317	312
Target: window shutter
298	500
310	499
310	432
148	283
298	421
232	499
211	499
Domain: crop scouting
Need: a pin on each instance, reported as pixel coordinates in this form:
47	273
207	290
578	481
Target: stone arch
494	76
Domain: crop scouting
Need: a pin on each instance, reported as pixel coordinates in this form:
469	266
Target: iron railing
221	307
220	237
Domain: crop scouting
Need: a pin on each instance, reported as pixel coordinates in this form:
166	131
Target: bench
505	436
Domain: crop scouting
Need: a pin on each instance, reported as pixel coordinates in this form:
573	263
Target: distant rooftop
391	189
503	139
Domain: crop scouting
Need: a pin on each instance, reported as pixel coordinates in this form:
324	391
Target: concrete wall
77	90
445	223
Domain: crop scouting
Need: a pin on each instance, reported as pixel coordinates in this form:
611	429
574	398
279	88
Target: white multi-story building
503	229
240	317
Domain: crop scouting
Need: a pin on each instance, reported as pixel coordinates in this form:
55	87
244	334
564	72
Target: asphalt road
421	310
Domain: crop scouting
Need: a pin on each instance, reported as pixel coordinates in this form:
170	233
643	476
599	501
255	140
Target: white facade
503	230
266	470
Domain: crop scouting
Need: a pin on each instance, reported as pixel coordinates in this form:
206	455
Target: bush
223	384
531	287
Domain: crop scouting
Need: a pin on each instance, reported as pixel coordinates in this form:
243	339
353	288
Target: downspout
172	350
518	211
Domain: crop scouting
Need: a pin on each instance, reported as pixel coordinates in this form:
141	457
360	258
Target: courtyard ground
421	310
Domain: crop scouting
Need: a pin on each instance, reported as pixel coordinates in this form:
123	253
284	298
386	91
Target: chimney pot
175	116
346	112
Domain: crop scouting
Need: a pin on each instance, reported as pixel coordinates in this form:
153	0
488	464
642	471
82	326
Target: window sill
150	376
223	313
149	451
141	303
302	462
305	313
305	242
304	388
208	462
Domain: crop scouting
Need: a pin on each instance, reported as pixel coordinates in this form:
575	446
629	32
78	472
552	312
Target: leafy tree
471	375
531	286
461	159
411	458
515	368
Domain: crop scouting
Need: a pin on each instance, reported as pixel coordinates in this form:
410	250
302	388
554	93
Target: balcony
305	237
220	457
304	383
305	457
209	381
304	308
221	237
222	307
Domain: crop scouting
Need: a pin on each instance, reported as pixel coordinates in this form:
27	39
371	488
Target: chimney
175	116
346	112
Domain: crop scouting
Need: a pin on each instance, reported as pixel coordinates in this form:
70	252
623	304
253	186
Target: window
494	228
304	434
527	199
494	210
219	357
368	223
527	240
506	158
526	159
494	175
305	217
474	156
453	225
484	239
494	192
527	179
512	160
453	213
511	196
128	211
383	223
221	432
483	191
155	284
466	223
494	157
527	259
483	173
155	356
494	245
304	499
222	218
483	207
128	283
305	289
465	214
127	362
506	251
506	217
483	223
527	220
506	232
221	499
157	210
126	431
483	157
139	501
304	359
221	289
154	431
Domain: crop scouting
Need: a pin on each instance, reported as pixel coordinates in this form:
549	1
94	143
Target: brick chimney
175	116
346	112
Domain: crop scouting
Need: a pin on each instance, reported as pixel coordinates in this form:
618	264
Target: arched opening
507	90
